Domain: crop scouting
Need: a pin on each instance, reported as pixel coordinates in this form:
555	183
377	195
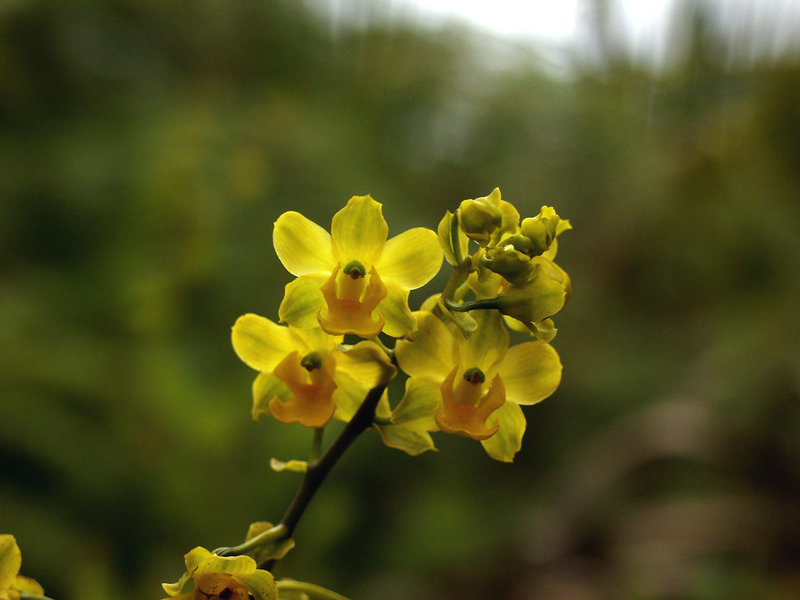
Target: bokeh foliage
146	148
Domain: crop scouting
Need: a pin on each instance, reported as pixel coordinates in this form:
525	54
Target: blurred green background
147	146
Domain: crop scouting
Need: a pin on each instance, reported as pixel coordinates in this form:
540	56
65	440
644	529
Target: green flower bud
545	293
479	219
514	266
542	229
486	220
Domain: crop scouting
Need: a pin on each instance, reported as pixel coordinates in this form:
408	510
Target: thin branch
318	471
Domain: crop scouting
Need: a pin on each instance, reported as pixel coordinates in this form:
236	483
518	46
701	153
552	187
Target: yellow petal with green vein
419	402
399	320
359	232
429	351
411	259
259	342
301	245
10	561
507	441
531	372
301	301
486	345
261	584
453	248
199	561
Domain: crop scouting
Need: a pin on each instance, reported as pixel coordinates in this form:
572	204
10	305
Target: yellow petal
531	372
504	444
259	342
486	345
301	301
314	339
266	387
416	409
429	351
261	583
399	320
411	259
29	586
349	396
10	561
301	245
199	561
367	363
410	441
359	231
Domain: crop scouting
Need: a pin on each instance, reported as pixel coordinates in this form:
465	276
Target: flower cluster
464	378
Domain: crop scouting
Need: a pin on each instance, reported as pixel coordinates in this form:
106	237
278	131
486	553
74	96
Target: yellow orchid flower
474	385
11	582
304	377
353	280
222	578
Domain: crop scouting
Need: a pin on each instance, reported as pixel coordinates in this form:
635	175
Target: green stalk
318	470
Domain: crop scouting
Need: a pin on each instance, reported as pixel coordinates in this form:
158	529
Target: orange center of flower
352	295
220	586
310	379
466	405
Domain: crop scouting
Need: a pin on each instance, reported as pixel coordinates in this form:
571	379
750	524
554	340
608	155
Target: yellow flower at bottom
473	385
11	582
219	586
222	578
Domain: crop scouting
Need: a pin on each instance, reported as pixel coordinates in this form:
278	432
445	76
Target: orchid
304	376
353	280
473	385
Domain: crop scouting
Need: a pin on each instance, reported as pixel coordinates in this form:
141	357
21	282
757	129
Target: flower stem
318	470
316	444
270	535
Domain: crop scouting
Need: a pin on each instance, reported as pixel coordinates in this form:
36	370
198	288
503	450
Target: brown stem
317	471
